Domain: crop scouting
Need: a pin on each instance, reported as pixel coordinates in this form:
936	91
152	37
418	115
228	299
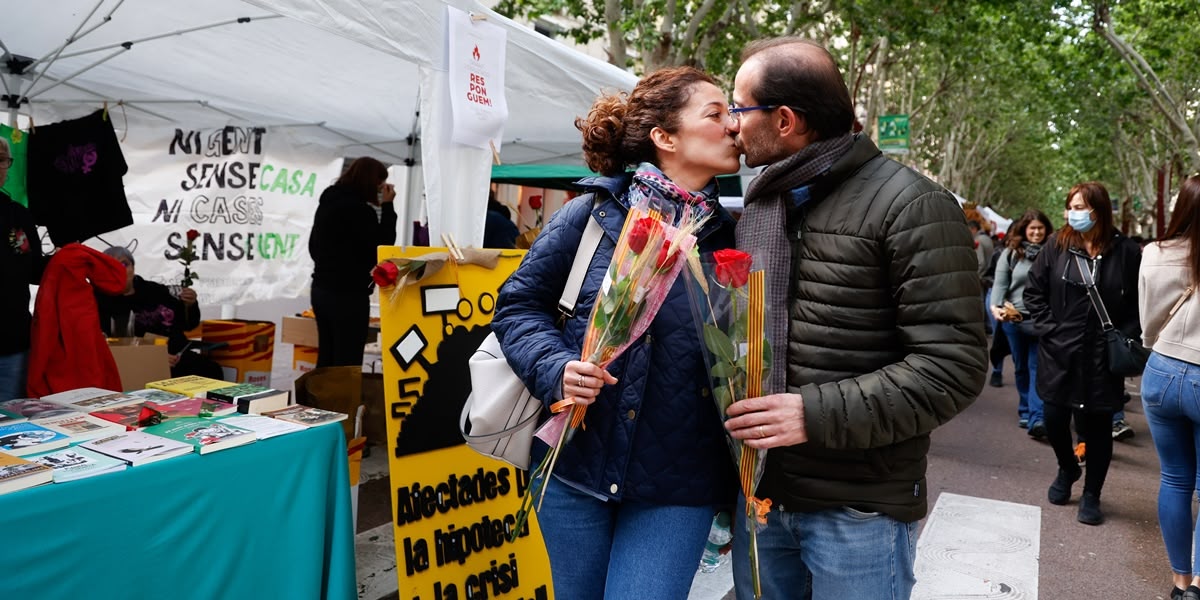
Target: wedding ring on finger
761	434
580	382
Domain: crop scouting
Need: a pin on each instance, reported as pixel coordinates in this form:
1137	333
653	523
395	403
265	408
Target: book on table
7	417
203	434
35	408
193	407
131	416
81	426
306	415
263	427
188	385
77	462
251	399
21	439
157	396
18	473
90	399
138	448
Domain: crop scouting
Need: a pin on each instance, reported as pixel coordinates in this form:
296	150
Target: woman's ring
581	381
760	432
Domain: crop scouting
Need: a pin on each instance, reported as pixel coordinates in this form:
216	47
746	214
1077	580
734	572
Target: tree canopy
1011	102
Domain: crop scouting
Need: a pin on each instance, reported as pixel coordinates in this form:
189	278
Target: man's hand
769	421
187	295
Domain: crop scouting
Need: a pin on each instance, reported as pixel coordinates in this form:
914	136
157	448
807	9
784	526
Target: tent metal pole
62	80
75	35
170	34
358	142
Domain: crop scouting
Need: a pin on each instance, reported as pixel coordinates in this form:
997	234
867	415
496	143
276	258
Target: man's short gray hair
119	252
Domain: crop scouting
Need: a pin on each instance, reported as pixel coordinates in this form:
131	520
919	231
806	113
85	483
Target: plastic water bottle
718	536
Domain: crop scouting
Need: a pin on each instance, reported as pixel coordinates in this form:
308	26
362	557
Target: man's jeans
12	375
836	553
621	550
1025	364
1171	401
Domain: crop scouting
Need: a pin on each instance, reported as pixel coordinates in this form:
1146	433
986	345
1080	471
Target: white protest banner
251	193
475	64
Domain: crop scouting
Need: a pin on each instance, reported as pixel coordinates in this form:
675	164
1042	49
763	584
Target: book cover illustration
18	473
81	426
192	407
306	415
131	416
70	464
89	399
189	385
21	439
138	447
203	434
156	396
35	408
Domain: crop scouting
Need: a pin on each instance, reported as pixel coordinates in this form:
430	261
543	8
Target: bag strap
1178	304
1093	293
588	245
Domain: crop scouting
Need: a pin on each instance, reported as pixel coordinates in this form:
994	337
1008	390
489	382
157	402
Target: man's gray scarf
762	231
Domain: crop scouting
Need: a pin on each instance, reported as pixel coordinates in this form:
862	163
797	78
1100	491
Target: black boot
1176	593
1089	509
1060	491
1192	593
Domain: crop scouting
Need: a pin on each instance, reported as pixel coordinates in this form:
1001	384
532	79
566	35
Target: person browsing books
22	263
627	511
882	340
150	307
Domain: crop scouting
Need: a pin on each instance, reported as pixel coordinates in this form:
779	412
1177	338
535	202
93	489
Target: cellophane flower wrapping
727	295
653	247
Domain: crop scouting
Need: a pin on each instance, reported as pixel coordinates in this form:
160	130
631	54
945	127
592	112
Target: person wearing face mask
354	217
1072	372
1024	245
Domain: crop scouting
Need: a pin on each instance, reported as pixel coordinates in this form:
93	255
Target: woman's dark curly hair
616	131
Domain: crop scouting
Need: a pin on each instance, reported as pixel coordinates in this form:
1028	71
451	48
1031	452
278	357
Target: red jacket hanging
68	350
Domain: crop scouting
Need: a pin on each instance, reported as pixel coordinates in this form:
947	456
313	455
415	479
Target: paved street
981	455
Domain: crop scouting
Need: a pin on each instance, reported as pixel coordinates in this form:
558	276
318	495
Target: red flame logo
475	53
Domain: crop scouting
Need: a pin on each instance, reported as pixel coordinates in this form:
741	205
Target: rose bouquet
644	265
728	301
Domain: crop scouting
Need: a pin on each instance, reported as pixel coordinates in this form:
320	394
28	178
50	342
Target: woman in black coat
355	216
1073	370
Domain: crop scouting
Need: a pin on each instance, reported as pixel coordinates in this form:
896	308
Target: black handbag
1126	356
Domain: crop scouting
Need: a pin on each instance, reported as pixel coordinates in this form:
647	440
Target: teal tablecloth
267	520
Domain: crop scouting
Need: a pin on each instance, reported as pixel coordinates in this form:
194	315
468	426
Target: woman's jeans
1025	363
13	369
620	550
835	553
1171	398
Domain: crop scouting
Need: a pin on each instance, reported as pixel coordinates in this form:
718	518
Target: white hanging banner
249	192
475	64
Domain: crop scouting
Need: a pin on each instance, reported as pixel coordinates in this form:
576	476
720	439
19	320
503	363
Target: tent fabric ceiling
342	75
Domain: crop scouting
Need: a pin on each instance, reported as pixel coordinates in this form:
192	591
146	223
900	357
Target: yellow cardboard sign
452	508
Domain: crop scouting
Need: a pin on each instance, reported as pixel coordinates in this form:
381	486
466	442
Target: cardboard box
140	360
249	349
304	358
301	331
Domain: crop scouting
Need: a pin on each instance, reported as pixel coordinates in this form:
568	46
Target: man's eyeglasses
6	162
736	111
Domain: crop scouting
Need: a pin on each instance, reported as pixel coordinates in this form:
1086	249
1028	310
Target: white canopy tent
364	80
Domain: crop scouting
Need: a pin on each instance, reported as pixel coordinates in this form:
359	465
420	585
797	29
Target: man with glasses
21	264
882	340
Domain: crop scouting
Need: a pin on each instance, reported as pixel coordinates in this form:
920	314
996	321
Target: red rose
733	267
385	274
192	234
535	202
641	232
666	258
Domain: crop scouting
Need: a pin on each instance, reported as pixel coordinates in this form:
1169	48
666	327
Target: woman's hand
583	381
388	192
187	295
998	313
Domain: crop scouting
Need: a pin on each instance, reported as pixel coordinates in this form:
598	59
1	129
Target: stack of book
251	399
306	416
22	439
75	462
18	473
204	435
